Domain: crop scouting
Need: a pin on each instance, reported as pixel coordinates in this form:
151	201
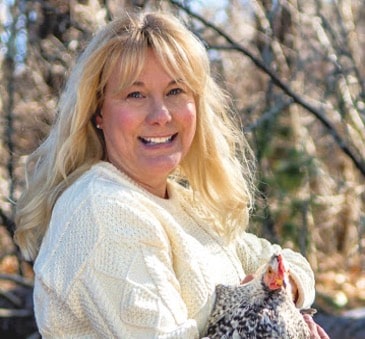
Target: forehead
150	69
153	69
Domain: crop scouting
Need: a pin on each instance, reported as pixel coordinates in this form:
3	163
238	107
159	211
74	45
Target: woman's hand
317	332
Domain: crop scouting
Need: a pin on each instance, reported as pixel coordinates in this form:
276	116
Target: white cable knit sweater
118	262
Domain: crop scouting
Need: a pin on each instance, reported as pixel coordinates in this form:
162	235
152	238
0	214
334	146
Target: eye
135	95
175	91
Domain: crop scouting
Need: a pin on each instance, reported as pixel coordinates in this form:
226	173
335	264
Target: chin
166	165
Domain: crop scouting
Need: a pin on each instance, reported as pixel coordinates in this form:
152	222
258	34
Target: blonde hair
216	167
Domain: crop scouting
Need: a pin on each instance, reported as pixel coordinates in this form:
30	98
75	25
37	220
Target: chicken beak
280	282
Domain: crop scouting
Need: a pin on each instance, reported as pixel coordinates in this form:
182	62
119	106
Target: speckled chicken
261	308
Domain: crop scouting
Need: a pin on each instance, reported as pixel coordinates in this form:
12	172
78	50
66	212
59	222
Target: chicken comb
281	267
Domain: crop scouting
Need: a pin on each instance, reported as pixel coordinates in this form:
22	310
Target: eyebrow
141	83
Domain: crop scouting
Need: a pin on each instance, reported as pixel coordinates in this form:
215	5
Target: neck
158	187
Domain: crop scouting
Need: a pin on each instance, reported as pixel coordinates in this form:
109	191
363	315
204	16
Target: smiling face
148	127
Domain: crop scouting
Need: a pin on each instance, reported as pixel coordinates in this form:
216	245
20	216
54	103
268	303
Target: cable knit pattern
119	262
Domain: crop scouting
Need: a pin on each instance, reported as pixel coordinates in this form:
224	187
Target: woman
137	202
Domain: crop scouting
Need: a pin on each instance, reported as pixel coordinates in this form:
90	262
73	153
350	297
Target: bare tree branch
16	301
7	222
318	112
9	313
268	115
17	279
9	64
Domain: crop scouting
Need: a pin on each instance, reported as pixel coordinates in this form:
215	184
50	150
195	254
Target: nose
159	113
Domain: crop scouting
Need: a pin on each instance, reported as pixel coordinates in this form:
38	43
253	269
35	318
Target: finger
311	325
317	332
321	332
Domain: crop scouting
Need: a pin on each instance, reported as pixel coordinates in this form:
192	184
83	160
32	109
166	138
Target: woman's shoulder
99	191
102	179
99	205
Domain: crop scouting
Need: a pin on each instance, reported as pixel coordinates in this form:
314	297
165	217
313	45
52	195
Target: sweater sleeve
254	252
124	286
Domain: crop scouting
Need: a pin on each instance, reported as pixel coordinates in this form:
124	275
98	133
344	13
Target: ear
99	121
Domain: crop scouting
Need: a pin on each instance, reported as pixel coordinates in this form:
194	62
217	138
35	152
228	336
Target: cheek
192	121
190	116
188	122
124	121
121	120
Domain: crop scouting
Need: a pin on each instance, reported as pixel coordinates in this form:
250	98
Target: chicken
261	308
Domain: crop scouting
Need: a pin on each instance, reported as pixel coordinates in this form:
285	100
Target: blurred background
295	71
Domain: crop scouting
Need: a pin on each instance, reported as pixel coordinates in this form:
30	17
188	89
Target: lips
157	140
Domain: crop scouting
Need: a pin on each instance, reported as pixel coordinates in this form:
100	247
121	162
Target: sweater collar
174	189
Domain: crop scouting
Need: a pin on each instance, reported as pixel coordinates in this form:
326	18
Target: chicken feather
261	308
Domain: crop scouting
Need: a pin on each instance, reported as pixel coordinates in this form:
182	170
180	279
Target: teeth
155	141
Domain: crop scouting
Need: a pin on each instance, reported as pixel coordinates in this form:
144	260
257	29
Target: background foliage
295	72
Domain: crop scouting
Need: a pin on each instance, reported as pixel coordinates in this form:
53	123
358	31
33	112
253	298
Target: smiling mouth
158	140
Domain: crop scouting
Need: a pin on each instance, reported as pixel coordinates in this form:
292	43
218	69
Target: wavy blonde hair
215	167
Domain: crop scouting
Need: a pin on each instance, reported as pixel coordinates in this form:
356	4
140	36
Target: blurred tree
295	72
